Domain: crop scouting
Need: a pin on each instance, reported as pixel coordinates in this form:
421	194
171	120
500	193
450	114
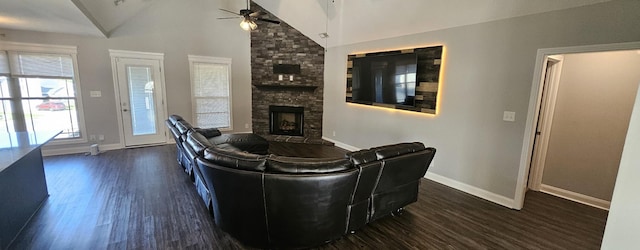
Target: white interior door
141	101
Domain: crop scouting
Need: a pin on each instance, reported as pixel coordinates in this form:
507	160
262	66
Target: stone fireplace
286	120
287	69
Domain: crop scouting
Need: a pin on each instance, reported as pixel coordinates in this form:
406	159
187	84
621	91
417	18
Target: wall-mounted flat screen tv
402	79
387	79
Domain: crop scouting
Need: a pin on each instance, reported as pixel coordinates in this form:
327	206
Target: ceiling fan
249	18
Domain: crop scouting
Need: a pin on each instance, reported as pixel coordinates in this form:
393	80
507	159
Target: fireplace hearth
286	120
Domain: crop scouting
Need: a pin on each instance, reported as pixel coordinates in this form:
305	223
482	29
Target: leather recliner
289	202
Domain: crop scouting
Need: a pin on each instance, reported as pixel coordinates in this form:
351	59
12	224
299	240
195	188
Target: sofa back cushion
197	142
236	159
296	165
208	132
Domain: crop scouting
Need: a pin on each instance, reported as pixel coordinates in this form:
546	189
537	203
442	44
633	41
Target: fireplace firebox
286	120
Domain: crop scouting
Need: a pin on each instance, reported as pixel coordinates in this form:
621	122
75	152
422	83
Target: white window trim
210	59
72	51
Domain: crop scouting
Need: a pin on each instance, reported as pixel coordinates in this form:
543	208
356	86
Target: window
211	92
38	87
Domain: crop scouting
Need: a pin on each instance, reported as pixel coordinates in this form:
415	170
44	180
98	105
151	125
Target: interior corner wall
487	69
170	27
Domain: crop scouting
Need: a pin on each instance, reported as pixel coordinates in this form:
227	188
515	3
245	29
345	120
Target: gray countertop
15	145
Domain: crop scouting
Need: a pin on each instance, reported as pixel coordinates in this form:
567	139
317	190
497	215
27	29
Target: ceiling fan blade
229	11
257	14
268	20
235	17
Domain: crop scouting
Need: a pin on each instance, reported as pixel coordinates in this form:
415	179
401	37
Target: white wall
623	223
487	69
170	27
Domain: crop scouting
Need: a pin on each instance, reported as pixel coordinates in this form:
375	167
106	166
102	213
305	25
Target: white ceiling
352	21
60	16
346	21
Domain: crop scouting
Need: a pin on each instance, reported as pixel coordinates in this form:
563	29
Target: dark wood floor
140	199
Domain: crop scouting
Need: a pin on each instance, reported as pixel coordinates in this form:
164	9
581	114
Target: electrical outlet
246	125
101	137
509	116
334	133
92	137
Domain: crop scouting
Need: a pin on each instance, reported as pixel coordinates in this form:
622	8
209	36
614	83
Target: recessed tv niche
402	79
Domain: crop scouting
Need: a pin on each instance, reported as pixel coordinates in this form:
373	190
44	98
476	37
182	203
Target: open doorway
578	151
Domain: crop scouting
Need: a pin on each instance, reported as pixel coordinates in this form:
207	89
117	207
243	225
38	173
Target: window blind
210	80
211	93
40	65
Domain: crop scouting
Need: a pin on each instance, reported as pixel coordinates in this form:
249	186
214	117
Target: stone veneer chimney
282	44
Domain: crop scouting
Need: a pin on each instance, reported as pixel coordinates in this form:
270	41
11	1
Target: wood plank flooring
141	199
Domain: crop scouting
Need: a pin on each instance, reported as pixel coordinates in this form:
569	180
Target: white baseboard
481	193
341	145
577	197
77	149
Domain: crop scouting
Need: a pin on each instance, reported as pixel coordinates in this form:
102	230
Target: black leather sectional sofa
272	201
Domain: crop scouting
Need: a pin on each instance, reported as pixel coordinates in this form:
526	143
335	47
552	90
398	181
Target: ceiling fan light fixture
248	24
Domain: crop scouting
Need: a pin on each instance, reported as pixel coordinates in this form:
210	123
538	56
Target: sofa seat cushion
235	159
251	143
297	165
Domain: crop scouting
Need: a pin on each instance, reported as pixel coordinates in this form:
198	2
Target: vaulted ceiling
346	21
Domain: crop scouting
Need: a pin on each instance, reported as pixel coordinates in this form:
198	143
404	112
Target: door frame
534	106
162	114
550	84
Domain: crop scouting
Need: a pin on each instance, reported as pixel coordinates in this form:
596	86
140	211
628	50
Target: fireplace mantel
286	87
